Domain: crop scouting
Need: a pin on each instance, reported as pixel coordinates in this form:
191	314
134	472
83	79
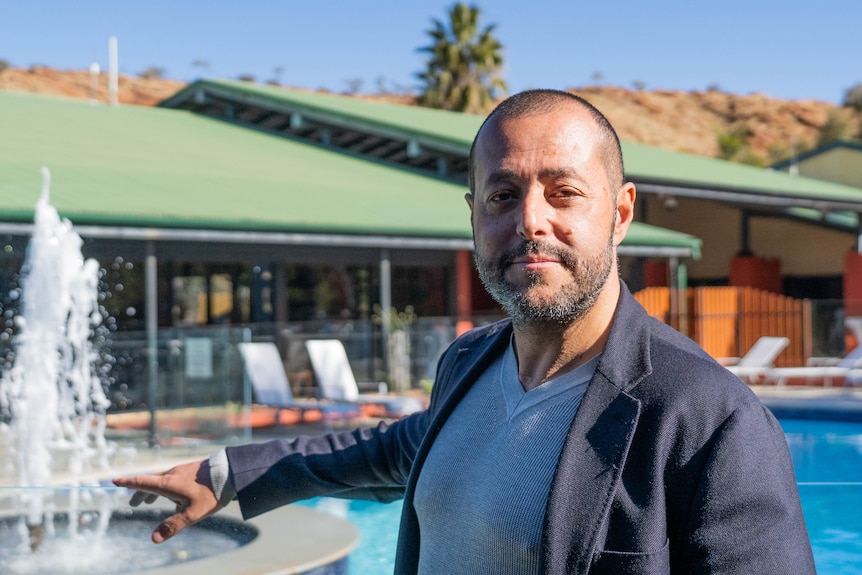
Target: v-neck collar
556	389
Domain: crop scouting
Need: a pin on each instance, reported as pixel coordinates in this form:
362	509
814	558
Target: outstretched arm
187	485
362	464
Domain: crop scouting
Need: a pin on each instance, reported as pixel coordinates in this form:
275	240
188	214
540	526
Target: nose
534	217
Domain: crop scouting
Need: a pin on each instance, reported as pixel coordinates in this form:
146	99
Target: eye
566	193
501	196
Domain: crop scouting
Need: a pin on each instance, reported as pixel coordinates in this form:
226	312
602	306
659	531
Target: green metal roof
656	165
153	167
645	165
423	123
846	143
646	235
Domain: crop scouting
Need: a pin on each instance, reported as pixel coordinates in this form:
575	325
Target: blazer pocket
627	563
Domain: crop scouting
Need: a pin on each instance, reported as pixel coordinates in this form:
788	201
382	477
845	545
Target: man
580	436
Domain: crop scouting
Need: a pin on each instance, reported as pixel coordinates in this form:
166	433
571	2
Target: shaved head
536	102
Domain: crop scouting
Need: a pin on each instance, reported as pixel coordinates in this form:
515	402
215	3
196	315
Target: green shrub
152	72
836	128
732	142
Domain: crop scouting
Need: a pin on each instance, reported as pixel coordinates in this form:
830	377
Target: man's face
544	214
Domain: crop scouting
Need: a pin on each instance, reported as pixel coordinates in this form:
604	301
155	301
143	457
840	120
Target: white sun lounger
337	382
265	371
759	358
825	374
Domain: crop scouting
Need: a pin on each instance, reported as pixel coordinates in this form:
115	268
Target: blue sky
790	50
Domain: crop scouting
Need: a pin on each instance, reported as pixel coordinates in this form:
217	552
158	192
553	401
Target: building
287	213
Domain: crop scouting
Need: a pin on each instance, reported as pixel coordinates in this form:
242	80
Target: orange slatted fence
716	313
656	300
726	321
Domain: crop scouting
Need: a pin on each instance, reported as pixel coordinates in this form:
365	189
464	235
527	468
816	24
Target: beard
564	306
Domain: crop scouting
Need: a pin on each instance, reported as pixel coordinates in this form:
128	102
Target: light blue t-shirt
482	493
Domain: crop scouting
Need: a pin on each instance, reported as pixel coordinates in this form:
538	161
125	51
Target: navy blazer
671	464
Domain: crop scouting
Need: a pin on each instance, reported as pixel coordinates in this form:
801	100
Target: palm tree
464	66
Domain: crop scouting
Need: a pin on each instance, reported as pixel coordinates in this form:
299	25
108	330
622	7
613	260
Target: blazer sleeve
371	463
368	463
746	516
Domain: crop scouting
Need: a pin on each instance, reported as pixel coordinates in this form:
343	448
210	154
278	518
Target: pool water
827	456
378	532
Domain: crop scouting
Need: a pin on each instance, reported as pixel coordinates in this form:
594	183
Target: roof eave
310	239
754	197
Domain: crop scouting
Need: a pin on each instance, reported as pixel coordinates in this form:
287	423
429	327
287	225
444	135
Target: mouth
535	262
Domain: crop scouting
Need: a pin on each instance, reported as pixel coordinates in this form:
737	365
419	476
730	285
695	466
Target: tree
835	128
354	86
203	65
152	72
464	66
276	79
853	97
381	86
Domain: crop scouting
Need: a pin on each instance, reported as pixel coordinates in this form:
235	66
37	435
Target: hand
187	485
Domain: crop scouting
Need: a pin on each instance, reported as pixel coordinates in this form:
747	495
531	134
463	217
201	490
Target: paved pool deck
801	402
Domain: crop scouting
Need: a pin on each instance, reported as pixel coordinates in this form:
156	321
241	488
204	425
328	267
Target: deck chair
336	380
759	358
265	371
844	369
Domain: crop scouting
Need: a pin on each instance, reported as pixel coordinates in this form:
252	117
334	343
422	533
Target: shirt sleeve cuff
220	477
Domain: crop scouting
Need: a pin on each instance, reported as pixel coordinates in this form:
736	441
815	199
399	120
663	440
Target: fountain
53	402
53	407
58	517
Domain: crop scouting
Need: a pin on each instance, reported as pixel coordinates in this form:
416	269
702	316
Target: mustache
534	248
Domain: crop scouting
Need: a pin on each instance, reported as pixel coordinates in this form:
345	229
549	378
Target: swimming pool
827	456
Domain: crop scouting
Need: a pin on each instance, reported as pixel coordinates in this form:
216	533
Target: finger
147	487
170	527
138	497
186	515
138	481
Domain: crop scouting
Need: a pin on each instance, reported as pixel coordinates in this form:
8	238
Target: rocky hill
77	84
753	128
769	129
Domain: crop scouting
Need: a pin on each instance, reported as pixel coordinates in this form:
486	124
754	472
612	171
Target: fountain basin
290	540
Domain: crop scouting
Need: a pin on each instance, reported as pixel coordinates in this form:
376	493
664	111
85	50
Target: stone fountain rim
293	539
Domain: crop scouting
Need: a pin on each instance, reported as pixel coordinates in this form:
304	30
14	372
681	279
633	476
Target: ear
469	197
625	211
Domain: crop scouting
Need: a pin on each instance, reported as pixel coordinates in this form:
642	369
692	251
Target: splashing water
53	406
50	396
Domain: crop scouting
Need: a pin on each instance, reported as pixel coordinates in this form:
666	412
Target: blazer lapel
596	447
587	475
456	377
471	361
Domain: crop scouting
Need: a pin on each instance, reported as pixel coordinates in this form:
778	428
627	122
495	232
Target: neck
546	350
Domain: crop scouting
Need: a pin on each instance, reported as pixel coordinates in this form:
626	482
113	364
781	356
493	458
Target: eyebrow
503	175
